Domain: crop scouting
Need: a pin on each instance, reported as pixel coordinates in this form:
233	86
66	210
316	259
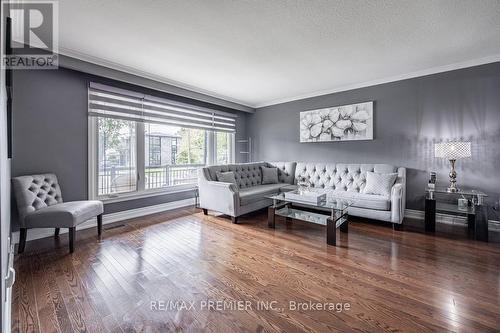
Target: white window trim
141	192
92	158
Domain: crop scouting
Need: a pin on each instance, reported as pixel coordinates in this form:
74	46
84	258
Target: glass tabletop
463	191
328	203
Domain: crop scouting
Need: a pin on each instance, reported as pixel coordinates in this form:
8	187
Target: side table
476	212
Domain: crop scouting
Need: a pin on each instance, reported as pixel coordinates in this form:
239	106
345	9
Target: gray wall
50	130
410	115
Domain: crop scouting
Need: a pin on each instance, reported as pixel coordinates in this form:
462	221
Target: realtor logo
34	35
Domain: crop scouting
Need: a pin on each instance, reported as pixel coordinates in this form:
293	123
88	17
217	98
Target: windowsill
146	194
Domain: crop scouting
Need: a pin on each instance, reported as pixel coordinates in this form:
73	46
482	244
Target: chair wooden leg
56	233
72	234
23	232
99	224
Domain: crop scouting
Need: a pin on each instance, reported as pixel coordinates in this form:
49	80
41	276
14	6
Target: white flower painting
339	123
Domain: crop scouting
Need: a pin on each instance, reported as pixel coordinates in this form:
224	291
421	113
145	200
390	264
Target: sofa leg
72	234
397	226
99	224
205	211
23	233
56	232
234	219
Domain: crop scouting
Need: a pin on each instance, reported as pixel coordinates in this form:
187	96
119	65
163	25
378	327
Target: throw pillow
379	183
226	177
269	175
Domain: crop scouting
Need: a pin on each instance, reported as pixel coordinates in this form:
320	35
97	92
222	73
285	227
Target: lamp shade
453	150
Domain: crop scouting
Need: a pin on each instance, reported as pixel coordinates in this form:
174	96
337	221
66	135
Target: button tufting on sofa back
37	191
246	174
339	177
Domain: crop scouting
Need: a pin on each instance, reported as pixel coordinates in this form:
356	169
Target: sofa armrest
398	197
219	196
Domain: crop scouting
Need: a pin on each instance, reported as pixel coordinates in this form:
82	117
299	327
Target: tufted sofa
248	194
348	181
340	180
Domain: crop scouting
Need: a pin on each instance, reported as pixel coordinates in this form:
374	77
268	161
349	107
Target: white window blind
111	102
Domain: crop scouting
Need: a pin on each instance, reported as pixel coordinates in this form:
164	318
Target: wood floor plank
404	281
45	306
27	319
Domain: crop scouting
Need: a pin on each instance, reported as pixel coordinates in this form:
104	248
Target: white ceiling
262	52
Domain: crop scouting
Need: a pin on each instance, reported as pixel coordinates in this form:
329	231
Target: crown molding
425	72
249	107
178	88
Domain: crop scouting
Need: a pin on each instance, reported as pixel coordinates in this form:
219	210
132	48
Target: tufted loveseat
248	194
339	180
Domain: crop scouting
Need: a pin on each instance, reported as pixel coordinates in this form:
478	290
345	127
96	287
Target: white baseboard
108	218
143	211
447	218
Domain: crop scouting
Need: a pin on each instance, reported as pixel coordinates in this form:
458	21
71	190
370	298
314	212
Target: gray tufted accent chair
40	205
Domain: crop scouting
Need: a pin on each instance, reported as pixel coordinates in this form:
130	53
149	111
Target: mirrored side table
438	200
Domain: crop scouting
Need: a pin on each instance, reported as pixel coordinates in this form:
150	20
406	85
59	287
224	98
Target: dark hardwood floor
392	280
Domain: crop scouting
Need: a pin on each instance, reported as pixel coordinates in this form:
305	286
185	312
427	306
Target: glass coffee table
331	212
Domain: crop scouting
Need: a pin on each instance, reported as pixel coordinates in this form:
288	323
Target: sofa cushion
368	201
64	215
257	193
286	171
379	183
269	175
361	200
226	177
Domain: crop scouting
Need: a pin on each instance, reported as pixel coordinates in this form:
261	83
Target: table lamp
452	151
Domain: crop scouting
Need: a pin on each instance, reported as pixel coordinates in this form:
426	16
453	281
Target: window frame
141	191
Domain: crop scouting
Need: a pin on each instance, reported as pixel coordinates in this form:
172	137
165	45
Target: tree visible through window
192	147
116	156
223	147
174	154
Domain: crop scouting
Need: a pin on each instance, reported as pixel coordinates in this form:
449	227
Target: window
139	144
154	150
173	150
180	165
223	149
116	156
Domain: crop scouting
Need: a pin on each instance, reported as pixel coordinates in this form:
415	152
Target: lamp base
453	179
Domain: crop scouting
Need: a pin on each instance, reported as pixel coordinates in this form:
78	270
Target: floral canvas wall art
338	123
